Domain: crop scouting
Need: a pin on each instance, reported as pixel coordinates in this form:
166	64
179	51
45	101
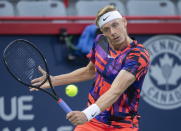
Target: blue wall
21	110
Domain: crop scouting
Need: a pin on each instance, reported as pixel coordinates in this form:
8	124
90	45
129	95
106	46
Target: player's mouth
116	38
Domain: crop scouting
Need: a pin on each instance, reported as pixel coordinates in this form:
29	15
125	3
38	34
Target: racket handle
64	106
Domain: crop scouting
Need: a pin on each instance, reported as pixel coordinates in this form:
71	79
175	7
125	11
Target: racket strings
23	61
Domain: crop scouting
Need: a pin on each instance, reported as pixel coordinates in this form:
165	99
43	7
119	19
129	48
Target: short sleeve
91	54
137	63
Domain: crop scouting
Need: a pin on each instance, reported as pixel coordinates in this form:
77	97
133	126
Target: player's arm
81	74
123	80
119	85
134	68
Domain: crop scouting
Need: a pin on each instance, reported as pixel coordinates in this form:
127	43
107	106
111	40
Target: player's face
116	32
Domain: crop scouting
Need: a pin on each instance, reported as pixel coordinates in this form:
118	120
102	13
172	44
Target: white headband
108	17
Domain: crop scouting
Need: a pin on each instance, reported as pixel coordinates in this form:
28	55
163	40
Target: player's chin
119	40
118	43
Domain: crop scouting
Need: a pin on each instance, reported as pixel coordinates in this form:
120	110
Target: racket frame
54	94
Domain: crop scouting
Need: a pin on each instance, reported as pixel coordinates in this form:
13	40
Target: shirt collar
131	45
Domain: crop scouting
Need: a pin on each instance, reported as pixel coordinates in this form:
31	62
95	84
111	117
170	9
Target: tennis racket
22	60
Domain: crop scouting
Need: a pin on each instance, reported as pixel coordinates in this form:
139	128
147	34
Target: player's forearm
119	85
78	75
109	97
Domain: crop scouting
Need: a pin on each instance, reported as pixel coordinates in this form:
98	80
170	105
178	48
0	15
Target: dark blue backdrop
21	110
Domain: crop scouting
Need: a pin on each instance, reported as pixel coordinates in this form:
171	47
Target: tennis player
118	66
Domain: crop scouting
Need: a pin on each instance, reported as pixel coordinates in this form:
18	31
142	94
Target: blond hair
103	11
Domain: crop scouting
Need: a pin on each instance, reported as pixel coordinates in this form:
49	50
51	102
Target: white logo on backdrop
21	111
162	85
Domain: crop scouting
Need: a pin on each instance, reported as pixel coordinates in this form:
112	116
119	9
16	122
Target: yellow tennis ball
71	90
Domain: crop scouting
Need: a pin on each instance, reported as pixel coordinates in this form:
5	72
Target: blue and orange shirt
108	63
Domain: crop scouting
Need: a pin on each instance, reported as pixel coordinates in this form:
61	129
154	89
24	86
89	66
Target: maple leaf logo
167	73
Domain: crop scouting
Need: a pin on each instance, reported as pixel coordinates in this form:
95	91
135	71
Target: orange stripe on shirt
104	88
106	84
142	62
113	54
124	97
134	53
91	99
101	59
146	54
99	65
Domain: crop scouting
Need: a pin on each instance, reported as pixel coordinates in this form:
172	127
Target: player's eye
115	24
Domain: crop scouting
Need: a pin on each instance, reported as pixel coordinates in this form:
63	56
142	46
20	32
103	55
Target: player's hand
76	117
39	80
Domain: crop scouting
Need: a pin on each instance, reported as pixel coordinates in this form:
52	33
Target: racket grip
64	106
